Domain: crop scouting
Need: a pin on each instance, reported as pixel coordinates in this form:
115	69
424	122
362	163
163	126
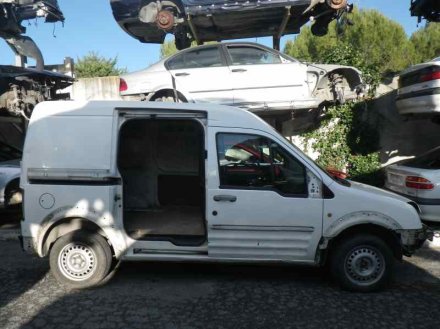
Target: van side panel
80	142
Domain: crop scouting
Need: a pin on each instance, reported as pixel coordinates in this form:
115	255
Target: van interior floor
183	221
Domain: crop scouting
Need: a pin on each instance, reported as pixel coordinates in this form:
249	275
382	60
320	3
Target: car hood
378	191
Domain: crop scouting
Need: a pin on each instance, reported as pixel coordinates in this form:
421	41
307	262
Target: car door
261	76
202	72
260	204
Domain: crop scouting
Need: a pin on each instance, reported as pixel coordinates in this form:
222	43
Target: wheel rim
364	265
77	262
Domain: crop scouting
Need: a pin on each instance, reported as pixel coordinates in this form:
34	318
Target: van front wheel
362	263
80	259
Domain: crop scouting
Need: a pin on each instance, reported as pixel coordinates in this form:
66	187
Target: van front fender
358	218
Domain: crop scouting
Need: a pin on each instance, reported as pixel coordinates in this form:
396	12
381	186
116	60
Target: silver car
419	89
418	179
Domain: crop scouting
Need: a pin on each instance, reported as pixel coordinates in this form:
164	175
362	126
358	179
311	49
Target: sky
90	26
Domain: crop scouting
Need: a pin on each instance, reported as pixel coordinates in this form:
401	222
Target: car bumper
417	103
413	239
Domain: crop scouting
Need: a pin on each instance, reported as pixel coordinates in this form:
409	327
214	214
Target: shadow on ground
158	295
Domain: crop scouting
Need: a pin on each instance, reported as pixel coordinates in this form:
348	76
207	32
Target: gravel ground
158	295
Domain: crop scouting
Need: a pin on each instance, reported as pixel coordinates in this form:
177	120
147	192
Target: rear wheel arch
325	89
168	93
68	225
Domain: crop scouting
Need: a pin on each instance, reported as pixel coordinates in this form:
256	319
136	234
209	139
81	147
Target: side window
198	58
245	55
251	161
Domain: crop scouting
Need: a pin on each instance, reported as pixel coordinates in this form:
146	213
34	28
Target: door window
251	161
243	55
198	58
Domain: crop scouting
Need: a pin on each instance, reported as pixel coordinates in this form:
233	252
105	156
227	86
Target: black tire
80	259
363	263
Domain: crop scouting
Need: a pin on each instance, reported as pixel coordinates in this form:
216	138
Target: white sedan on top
247	75
419	89
418	179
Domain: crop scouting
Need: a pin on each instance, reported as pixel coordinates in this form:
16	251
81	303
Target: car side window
245	55
252	161
198	58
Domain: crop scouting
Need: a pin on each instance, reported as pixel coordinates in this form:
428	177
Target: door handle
230	198
182	74
239	70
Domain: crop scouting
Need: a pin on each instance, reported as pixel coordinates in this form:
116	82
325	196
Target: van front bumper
413	239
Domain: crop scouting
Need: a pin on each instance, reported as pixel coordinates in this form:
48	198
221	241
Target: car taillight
430	76
418	183
122	85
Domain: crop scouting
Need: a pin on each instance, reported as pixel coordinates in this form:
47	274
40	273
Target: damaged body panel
200	20
22	88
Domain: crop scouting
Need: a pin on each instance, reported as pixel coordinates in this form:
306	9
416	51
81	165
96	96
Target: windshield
337	179
429	160
436	59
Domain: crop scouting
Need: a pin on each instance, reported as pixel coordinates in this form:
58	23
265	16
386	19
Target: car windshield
337	179
437	59
429	160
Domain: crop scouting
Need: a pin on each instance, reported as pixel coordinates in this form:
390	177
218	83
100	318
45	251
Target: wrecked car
22	88
247	75
214	20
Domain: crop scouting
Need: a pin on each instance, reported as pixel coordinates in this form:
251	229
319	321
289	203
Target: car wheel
362	263
80	259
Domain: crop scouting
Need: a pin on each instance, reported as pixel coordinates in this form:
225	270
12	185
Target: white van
106	181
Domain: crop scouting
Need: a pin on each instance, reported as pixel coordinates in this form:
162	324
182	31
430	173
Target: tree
381	41
92	65
426	42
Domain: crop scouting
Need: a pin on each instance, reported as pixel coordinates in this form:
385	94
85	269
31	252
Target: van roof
218	115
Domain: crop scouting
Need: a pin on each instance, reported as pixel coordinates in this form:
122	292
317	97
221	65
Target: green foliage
167	49
426	41
92	65
380	40
346	142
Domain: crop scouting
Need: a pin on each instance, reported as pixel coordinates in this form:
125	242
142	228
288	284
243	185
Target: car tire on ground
80	259
362	263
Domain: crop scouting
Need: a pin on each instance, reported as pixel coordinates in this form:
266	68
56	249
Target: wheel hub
77	262
364	265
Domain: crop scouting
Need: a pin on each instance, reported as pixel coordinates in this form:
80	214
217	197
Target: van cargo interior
161	164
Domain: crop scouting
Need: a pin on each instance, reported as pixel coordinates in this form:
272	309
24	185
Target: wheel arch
351	75
67	225
389	236
168	92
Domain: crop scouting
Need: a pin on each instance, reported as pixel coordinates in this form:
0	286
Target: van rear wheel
80	259
362	263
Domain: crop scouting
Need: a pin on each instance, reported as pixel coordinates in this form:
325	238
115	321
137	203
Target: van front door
260	200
